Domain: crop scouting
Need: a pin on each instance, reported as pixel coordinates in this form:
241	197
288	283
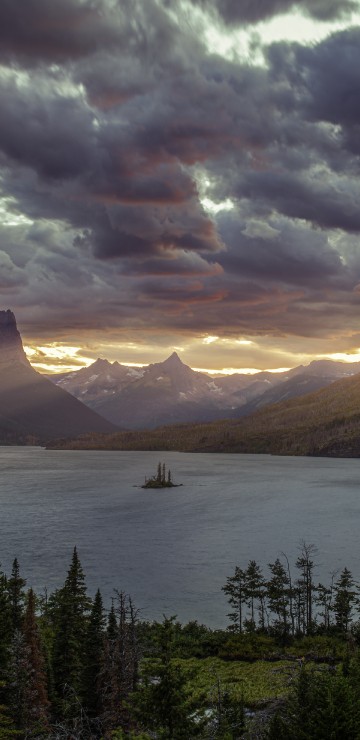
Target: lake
173	549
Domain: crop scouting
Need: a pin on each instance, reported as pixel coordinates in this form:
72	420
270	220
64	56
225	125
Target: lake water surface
172	549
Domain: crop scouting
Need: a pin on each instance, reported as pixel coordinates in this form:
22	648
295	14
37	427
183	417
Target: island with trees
162	479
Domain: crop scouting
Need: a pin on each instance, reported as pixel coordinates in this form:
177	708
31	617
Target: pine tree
93	658
305	588
159	473
15	588
278	597
236	591
324	600
254	591
17	679
5	624
111	630
71	621
345	597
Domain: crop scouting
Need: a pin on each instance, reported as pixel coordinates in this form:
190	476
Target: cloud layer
117	121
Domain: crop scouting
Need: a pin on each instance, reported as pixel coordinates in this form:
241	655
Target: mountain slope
295	387
30	405
326	422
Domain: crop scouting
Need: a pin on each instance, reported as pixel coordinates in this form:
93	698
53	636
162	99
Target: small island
162	479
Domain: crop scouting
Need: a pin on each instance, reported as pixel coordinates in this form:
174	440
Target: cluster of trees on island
162	478
69	669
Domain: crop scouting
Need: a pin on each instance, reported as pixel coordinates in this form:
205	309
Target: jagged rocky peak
100	364
173	361
11	348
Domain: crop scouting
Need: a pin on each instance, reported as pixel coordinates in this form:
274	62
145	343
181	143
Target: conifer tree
17	679
345	597
111	630
93	658
278	596
71	621
236	591
254	586
305	588
5	625
15	588
324	600
159	473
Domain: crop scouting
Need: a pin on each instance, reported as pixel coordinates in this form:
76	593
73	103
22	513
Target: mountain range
170	392
323	423
312	409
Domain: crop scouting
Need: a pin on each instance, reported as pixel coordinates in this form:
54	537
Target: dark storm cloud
56	30
327	82
123	118
290	254
253	11
317	202
58	139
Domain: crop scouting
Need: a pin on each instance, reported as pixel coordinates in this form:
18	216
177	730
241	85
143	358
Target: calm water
172	550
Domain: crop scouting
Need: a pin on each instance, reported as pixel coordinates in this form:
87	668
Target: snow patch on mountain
213	387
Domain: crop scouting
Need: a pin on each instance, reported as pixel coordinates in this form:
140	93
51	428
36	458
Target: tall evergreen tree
17	679
278	597
72	607
345	598
16	590
255	592
305	588
5	625
111	630
324	600
235	589
93	657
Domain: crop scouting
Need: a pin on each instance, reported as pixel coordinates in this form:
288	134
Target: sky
181	175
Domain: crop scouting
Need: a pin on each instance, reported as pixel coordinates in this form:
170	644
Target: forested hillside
326	422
